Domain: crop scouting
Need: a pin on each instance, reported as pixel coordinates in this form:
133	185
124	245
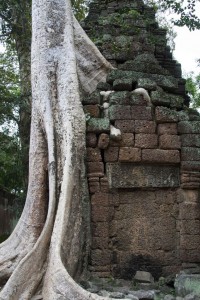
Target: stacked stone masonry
144	184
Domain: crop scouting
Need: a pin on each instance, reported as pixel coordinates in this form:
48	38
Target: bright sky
187	49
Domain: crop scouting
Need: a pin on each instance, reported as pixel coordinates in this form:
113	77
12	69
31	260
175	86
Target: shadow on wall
128	269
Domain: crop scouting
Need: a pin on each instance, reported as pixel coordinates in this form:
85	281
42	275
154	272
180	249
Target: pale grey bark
46	247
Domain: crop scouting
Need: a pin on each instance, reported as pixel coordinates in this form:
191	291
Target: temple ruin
143	149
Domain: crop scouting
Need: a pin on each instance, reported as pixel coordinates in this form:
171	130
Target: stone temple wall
144	176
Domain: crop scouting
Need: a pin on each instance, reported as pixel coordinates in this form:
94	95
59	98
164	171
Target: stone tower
143	149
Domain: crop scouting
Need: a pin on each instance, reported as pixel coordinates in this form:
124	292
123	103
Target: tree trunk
48	246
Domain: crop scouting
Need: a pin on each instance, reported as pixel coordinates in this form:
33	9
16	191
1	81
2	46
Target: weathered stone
167	128
104	86
103	141
191	297
125	126
147	84
104	185
167	141
100	214
190	153
127	140
142	276
117	295
144	126
93	98
100	199
94	185
119	112
124	84
190	140
190	165
111	154
129	154
186	284
120	98
98	125
165	115
189	127
100	229
160	156
137	100
161	98
141	113
100	243
91	140
146	140
92	110
100	258
169	297
95	169
143	294
93	154
139	176
168	83
189	211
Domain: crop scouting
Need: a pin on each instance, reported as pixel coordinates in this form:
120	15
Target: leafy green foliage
193	88
9	87
185	11
10	165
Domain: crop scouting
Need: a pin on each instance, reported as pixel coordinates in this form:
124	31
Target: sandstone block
100	229
190	140
92	110
93	154
129	154
189	242
167	141
91	140
189	211
99	243
127	139
141	113
104	185
144	126
141	176
190	153
94	185
189	127
111	154
190	256
98	125
165	115
190	165
167	128
93	98
142	276
100	257
95	169
147	84
120	98
119	112
103	141
100	199
146	140
100	214
137	100
160	156
124	84
125	126
189	227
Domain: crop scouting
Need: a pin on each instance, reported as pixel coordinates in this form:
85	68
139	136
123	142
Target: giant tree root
49	244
